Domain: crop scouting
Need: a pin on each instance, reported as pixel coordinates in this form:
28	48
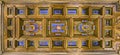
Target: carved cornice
60	1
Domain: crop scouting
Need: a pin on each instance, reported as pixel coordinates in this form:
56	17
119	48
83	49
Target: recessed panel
72	11
108	33
57	27
43	43
31	11
108	22
84	43
21	43
31	27
85	11
96	43
108	11
57	43
9	44
30	43
72	43
43	11
10	21
96	11
108	44
57	11
20	11
9	33
84	27
10	11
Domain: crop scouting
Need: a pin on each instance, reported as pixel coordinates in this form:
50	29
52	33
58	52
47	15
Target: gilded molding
60	1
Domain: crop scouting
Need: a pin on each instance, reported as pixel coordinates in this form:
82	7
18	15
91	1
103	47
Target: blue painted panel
20	43
44	11
72	11
80	28
58	11
54	27
31	11
95	43
43	43
108	11
96	11
20	11
57	43
84	43
84	11
72	43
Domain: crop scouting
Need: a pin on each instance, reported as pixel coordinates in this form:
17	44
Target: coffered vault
37	25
